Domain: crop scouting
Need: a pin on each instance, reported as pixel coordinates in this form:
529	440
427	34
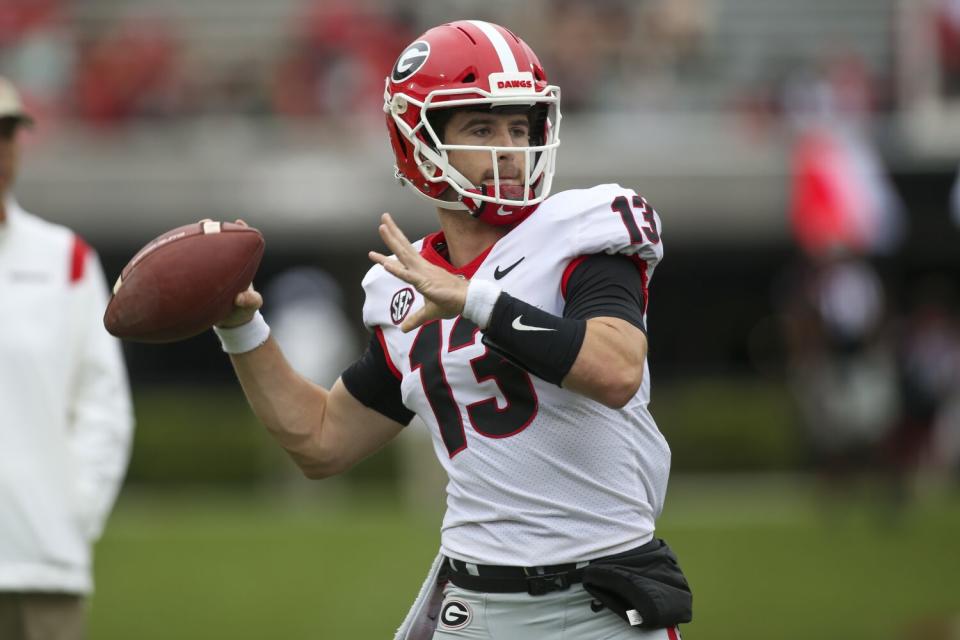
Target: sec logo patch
401	304
456	614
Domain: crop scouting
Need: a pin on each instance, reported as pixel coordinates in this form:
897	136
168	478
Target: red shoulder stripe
386	353
569	272
78	259
639	262
644	280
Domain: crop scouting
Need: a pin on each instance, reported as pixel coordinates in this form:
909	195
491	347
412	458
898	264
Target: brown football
184	281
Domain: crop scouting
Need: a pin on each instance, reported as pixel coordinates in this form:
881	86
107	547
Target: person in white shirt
517	333
66	419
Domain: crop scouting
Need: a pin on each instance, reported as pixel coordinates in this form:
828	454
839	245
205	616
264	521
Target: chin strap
500	214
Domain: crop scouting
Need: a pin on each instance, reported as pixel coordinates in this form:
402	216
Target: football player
517	332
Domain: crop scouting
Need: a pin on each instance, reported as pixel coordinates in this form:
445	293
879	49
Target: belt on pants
501	579
536	581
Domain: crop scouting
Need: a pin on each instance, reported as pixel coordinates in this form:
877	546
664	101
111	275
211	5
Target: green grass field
765	561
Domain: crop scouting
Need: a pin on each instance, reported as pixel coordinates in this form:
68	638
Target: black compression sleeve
371	381
607	286
535	340
547	345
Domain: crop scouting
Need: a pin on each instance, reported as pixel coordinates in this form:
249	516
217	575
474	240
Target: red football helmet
471	64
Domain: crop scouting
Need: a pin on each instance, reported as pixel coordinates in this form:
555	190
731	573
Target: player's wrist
481	298
537	341
245	337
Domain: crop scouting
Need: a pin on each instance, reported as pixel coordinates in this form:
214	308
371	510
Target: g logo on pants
456	614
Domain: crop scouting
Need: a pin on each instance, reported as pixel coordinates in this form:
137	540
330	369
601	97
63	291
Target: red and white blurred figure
842	200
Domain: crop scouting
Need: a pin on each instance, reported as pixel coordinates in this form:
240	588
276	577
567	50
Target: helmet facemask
497	203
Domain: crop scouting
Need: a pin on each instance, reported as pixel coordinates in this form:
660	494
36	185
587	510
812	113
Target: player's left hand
444	293
245	304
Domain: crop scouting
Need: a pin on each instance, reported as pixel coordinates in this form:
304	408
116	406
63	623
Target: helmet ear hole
470	77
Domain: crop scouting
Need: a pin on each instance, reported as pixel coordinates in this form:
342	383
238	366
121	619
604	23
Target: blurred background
804	327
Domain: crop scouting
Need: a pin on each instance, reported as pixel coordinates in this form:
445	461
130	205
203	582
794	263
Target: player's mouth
489	180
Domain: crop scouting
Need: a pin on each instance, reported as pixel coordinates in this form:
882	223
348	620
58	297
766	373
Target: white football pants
560	615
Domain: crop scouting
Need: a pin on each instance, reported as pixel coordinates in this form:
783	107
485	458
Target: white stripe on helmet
507	60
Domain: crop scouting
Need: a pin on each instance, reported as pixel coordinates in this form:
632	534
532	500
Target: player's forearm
609	366
601	358
289	406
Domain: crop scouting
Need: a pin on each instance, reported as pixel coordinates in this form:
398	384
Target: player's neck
466	236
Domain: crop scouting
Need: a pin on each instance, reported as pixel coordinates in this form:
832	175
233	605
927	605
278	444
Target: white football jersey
538	475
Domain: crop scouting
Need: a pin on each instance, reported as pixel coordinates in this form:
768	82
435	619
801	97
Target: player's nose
508	161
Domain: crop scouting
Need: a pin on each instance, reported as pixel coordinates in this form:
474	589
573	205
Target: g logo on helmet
410	61
456	614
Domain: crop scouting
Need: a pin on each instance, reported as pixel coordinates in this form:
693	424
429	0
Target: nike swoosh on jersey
519	326
498	273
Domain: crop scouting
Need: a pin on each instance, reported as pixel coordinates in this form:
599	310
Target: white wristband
246	337
481	297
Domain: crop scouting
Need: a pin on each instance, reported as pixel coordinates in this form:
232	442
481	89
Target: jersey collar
433	255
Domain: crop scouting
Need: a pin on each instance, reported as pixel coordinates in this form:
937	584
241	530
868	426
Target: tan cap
10	104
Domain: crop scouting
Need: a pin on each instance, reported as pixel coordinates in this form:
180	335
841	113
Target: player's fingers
386	261
392	265
245	306
396	240
414	320
249	299
388	220
392	240
404	254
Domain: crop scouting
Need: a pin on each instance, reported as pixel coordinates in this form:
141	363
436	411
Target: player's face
8	153
490	130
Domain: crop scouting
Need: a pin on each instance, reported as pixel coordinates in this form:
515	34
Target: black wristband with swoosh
537	341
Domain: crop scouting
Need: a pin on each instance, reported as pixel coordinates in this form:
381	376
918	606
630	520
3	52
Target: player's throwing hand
246	303
444	293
